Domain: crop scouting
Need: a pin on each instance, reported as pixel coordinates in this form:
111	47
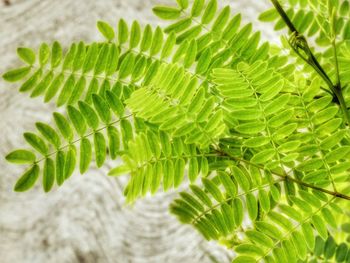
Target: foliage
260	135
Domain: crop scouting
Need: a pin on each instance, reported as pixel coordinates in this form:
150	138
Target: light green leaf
166	12
127	66
48	174
70	162
146	39
263	156
320	226
100	148
269	15
308	233
193	169
168	45
252	206
204	61
56	54
191	53
90	59
102	108
85	155
16	74
44	53
49	133
20	156
60	160
197	7
157	41
36	142
28	179
77	119
63	125
89	114
213	189
105	29
26	54
113	142
135	34
228	183
123	32
249	249
209	12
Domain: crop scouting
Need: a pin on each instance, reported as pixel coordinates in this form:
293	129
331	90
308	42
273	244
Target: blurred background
85	220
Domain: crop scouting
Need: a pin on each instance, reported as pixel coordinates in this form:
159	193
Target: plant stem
286	176
307	55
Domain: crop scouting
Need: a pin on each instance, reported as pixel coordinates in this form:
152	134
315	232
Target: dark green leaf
28	179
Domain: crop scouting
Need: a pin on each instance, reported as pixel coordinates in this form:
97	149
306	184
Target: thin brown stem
286	176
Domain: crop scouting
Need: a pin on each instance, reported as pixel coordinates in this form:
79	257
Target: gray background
86	219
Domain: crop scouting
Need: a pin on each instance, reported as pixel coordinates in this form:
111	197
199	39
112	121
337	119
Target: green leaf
228	183
123	32
66	91
213	189
168	171
249	249
264	200
42	86
48	174
16	74
250	128
237	206
259	238
56	54
20	156
342	251
63	125
26	54
135	34
308	233
329	248
89	114
191	53
182	3
179	168
222	19
28	179
85	155
244	259
204	61
193	169
100	148
320	226
119	170
36	142
54	87
113	142
146	39
102	59
197	7
166	12
70	162
299	244
252	206
105	29
209	12
263	156
60	160
127	66
77	119
113	60
102	108
157	41
269	15
269	229
44	53
49	133
168	45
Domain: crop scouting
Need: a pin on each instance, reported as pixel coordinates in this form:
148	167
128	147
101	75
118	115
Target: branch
285	176
300	45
